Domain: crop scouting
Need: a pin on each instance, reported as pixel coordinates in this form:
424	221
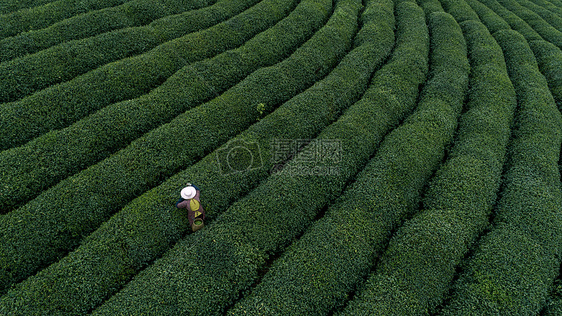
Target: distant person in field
190	200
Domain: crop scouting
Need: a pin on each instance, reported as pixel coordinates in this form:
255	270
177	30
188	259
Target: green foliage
544	29
512	19
9	6
557	3
550	17
460	10
127	41
492	21
41	163
395	178
554	304
550	5
260	108
47	13
430	6
261	219
44	161
91	167
549	58
61	105
505	253
129	77
159	154
145	243
417	267
522	252
253	226
483	133
377	21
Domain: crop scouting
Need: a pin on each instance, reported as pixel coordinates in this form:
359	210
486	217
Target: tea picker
190	200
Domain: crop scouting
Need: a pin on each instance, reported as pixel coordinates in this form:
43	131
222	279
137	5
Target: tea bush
47	159
547	54
550	5
98	41
117	180
550	17
415	271
8	6
514	265
394	182
43	13
492	21
549	59
554	304
317	273
91	165
287	203
544	29
460	10
513	20
61	105
129	77
430	6
143	242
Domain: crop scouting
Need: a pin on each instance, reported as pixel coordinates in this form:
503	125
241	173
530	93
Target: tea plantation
355	157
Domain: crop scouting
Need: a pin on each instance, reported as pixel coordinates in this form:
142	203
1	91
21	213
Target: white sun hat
188	192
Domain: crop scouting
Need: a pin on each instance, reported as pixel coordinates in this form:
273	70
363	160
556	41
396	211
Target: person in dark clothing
190	200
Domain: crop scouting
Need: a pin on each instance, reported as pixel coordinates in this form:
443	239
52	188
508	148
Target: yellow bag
194	206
